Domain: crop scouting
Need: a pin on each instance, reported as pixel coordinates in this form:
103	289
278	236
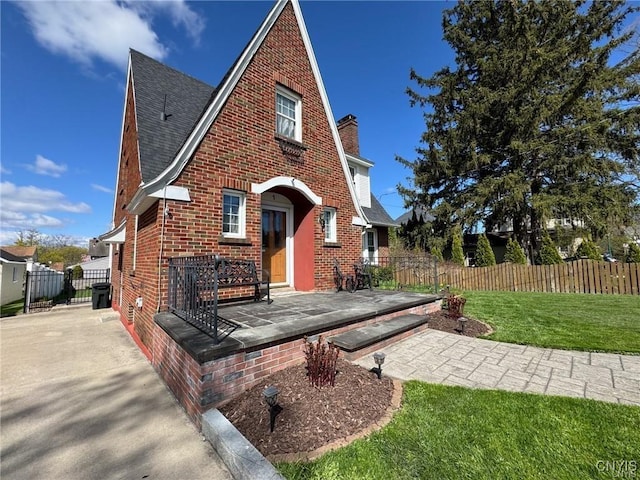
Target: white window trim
242	213
297	133
331	223
365	245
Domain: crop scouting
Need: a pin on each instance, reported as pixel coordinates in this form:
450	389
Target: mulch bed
442	321
312	417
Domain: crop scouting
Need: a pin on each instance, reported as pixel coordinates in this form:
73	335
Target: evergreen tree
538	119
549	254
437	252
457	255
484	253
633	256
588	249
514	253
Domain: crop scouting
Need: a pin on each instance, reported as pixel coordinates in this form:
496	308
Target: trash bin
100	295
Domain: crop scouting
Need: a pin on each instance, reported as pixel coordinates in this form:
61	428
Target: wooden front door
274	244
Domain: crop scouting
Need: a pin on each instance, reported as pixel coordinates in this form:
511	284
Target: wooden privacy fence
581	276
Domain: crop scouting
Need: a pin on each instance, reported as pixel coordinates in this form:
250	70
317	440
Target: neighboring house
254	169
101	263
12	272
28	254
375	238
421	213
497	240
557	228
97	249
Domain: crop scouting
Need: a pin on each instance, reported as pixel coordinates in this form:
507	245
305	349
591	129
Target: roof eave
189	147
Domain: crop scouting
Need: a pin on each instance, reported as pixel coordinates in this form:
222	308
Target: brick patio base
200	387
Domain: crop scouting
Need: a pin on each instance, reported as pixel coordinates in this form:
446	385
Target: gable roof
21	253
168	104
6	256
421	214
155	179
377	215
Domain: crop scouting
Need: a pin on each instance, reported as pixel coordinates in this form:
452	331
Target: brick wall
125	284
240	149
200	387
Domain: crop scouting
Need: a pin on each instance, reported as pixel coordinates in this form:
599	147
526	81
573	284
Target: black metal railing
194	284
415	271
45	287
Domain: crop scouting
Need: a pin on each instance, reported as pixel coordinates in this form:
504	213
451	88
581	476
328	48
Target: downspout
164	216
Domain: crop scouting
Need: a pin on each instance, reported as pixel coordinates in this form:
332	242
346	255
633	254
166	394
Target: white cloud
106	29
100	188
44	166
26	207
3	170
180	13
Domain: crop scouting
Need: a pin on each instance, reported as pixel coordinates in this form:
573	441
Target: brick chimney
348	130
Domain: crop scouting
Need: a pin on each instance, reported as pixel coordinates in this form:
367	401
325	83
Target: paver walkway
440	357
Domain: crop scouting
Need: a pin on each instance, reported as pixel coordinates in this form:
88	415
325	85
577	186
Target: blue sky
64	69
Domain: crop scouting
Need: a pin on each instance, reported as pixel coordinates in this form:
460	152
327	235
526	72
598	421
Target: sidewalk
439	357
78	400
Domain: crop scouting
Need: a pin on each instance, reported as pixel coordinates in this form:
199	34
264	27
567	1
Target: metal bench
203	279
338	278
363	275
239	273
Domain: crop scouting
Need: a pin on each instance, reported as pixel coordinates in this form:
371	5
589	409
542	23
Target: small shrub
321	362
455	305
78	273
457	255
588	249
437	252
381	274
484	254
515	253
633	255
549	254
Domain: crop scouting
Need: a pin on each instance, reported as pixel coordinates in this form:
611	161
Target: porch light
270	395
462	321
322	221
378	357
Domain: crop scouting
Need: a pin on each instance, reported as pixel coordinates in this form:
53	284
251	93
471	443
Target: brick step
363	337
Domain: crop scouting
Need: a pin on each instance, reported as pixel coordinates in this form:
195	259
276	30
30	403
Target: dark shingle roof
186	99
377	215
420	212
8	256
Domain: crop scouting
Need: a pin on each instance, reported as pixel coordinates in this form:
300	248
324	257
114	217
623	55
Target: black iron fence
407	271
193	291
45	288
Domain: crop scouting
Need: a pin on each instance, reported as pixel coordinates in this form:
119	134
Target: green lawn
11	309
445	432
605	323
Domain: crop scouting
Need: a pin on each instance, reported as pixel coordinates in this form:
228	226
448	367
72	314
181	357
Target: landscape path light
378	357
463	322
270	395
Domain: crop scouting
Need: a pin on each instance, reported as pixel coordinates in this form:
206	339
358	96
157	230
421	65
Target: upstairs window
233	214
288	114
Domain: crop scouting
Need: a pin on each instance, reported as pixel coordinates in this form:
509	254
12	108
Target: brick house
255	168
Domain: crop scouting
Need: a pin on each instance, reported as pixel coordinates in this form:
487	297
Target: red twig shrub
321	362
455	304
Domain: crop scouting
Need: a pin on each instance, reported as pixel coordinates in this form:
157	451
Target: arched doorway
288	229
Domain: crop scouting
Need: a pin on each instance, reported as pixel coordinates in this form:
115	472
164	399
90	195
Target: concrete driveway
78	400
